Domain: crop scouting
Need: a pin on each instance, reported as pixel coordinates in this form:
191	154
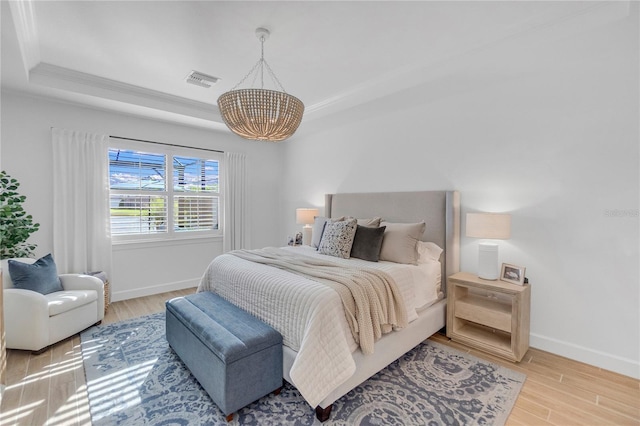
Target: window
163	192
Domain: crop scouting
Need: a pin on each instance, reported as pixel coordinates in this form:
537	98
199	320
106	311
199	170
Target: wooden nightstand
492	316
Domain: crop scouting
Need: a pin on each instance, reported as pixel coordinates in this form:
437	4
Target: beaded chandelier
261	114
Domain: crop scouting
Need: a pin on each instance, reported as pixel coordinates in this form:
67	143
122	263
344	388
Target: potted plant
15	224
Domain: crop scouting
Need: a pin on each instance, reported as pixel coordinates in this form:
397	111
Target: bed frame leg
323	414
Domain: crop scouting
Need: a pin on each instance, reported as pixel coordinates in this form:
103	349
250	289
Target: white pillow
428	251
429	286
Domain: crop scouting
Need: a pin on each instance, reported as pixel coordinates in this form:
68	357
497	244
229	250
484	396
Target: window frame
169	151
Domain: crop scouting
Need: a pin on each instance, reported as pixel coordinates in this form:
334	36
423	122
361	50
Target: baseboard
156	289
606	361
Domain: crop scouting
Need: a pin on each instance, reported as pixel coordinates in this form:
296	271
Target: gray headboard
439	209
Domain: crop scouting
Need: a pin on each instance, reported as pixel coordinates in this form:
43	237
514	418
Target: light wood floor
50	388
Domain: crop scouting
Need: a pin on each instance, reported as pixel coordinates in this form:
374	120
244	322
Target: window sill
150	243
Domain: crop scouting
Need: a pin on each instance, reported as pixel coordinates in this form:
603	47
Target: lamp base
488	261
306	235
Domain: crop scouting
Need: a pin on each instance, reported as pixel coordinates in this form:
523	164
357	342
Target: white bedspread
309	315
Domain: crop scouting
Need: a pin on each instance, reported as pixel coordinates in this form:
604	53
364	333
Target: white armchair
34	321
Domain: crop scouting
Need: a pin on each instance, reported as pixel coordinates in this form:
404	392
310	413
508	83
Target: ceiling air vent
201	79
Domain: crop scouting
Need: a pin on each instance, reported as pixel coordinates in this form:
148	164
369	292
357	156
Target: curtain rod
164	143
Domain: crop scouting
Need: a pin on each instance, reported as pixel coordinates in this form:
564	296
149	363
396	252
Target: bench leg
229	417
323	414
277	391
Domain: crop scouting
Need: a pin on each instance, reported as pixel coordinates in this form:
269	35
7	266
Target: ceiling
133	56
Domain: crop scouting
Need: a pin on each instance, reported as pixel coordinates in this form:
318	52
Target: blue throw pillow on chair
41	276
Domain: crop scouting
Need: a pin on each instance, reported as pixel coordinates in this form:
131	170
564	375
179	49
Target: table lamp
306	217
491	226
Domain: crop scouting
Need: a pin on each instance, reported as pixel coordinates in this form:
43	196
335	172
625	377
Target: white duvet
309	315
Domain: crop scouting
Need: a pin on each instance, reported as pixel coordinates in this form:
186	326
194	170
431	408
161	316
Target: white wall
547	132
137	269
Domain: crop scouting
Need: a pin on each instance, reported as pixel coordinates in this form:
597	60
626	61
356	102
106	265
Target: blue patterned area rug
135	378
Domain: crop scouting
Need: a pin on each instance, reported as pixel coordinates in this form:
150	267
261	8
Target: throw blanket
371	299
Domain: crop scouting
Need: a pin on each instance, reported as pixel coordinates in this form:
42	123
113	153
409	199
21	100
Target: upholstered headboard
440	211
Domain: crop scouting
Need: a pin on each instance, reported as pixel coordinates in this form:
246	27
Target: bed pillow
399	242
426	291
428	251
371	223
337	238
318	228
40	276
367	243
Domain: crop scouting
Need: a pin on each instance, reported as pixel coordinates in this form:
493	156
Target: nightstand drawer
482	310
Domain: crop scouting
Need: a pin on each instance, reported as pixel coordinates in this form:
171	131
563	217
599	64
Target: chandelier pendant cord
261	63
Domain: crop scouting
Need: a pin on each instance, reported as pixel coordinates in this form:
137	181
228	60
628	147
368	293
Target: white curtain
81	222
235	226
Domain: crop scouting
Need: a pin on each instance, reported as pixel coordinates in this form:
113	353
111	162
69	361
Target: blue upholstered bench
236	357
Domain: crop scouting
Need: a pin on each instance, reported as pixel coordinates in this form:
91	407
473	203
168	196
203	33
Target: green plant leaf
15	225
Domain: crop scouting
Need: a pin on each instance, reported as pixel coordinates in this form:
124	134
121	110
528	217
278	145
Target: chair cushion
64	301
40	276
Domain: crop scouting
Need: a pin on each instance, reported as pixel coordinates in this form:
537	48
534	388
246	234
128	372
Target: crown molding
115	107
53	76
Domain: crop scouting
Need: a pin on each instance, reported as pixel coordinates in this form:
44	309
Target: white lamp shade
305	216
492	226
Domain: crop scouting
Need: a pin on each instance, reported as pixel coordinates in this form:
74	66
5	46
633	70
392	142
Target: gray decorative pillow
399	242
337	238
367	243
371	223
40	276
318	228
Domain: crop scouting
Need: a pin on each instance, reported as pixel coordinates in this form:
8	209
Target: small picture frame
512	274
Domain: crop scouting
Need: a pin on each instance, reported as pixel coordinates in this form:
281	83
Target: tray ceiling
134	56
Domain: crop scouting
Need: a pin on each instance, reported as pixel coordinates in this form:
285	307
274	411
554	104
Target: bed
320	358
